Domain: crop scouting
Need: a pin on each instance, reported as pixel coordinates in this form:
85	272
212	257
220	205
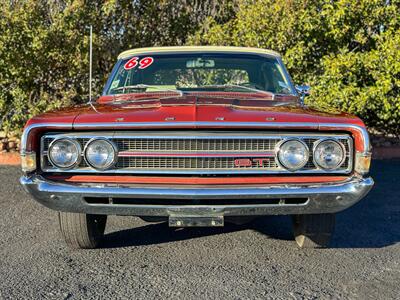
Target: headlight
64	153
293	154
100	154
329	154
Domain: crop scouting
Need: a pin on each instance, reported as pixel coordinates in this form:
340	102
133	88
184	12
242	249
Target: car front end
162	146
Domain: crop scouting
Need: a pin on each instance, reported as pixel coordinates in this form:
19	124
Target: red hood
195	112
190	109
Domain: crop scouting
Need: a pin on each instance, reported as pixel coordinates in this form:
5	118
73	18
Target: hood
187	110
191	109
195	112
65	116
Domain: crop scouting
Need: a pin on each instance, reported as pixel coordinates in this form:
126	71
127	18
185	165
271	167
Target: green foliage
365	83
41	60
347	50
44	46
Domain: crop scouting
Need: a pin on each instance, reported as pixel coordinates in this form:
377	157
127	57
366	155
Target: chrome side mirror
303	91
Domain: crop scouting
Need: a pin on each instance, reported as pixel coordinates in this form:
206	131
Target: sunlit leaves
348	50
44	45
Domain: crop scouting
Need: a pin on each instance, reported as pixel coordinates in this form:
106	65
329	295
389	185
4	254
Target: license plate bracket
189	221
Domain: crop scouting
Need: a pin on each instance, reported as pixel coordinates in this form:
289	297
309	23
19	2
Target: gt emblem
246	162
243	162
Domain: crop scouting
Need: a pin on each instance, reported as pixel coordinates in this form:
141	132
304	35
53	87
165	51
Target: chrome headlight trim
115	153
279	147
78	148
317	143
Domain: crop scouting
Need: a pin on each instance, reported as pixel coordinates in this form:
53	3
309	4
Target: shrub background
347	50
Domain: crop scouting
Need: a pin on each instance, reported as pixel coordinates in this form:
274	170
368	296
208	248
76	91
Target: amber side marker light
28	161
363	163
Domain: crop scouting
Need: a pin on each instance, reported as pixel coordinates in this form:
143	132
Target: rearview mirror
200	63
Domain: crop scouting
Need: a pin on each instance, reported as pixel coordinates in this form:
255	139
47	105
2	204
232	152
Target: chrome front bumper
321	198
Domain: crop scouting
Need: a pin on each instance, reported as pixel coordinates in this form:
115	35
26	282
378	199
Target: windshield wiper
232	86
146	86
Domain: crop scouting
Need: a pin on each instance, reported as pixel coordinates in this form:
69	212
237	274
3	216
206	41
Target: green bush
44	46
41	60
347	50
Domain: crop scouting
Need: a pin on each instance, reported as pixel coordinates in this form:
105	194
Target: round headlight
100	154
293	154
64	153
329	154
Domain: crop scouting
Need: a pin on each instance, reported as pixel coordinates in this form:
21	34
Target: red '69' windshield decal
143	63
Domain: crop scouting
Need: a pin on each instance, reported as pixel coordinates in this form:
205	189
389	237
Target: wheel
82	230
313	231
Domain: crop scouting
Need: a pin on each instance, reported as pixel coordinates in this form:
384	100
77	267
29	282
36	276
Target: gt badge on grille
243	162
247	162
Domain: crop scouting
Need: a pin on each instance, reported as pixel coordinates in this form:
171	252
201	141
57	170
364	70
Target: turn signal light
363	163
28	161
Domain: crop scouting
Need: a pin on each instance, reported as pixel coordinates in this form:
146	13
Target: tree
348	50
44	46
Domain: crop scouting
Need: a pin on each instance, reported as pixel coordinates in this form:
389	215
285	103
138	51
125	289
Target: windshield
185	73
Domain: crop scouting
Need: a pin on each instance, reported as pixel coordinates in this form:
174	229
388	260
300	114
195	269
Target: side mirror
303	91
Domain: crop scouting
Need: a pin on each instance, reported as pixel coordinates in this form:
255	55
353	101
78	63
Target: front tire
82	231
313	231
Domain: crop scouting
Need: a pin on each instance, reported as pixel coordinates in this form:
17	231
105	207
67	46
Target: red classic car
196	136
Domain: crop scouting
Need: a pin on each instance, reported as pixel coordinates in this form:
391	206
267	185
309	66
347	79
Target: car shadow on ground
372	223
157	233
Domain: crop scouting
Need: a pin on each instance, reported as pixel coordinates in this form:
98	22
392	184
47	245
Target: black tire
313	231
82	231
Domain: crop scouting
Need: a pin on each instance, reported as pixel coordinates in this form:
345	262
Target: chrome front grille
189	145
211	164
195	152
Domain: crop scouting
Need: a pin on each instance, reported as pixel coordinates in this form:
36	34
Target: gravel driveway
258	260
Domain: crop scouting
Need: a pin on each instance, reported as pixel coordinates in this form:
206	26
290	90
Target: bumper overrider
319	198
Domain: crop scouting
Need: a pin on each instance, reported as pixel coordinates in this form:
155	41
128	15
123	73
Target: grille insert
190	145
197	152
188	163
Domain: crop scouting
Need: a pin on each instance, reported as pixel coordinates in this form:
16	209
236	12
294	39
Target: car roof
186	49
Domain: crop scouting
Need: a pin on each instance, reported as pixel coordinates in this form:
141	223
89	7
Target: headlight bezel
79	151
330	139
278	148
115	151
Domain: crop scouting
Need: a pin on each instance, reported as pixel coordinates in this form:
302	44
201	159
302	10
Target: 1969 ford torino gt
196	136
